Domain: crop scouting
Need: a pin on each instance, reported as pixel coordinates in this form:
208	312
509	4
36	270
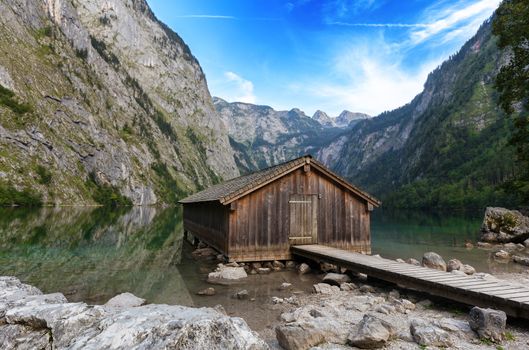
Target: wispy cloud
236	88
388	25
208	17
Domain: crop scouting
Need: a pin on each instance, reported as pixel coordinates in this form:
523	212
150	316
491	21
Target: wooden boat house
259	216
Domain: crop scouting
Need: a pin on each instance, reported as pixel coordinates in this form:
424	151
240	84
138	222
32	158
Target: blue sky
364	56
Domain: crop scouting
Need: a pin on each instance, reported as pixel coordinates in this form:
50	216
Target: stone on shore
502	225
453	264
297	337
520	260
324	288
226	275
467	269
125	300
371	333
242	295
433	261
264	270
336	279
427	334
488	323
30	320
502	255
413	261
526	243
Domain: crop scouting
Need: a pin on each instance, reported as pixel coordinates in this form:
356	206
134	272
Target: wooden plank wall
259	227
209	222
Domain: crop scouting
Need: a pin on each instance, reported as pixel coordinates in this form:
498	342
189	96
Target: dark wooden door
303	219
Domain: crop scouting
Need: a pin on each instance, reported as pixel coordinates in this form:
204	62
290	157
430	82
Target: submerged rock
30	320
303	269
502	225
502	254
226	275
433	261
520	260
208	291
488	323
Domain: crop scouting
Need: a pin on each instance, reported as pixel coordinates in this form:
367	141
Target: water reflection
91	254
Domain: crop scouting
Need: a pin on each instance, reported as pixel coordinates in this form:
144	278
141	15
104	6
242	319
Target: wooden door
303	219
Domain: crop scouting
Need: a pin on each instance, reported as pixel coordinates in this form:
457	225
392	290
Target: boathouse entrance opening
303	219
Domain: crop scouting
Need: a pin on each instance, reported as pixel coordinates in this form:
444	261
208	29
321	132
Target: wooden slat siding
465	289
208	222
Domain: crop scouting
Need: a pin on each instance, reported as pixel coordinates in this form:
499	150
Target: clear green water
92	254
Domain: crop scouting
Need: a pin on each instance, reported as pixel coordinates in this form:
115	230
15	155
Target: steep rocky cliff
262	136
448	147
99	99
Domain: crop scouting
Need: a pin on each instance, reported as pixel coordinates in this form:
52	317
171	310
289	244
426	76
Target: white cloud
236	88
451	22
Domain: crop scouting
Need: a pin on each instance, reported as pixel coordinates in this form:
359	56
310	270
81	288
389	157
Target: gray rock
453	264
510	246
326	267
520	246
296	337
303	269
34	322
488	323
242	295
458	272
290	264
520	260
501	225
278	265
371	333
502	255
526	243
400	260
208	291
125	300
366	288
256	265
426	334
433	261
413	261
227	275
484	245
324	288
467	269
264	270
348	286
336	279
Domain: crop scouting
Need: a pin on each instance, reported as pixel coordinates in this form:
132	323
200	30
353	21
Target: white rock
125	300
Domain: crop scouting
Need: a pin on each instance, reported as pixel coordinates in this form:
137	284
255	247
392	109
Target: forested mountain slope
446	148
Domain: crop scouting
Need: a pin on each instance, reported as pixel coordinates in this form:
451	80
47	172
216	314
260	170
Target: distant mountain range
261	136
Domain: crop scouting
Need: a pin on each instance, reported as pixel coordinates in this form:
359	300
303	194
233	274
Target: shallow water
92	254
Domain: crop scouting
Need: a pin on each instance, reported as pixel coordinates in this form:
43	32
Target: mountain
100	101
262	136
348	119
447	148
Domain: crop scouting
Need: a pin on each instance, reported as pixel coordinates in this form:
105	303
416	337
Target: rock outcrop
107	96
32	320
227	274
502	225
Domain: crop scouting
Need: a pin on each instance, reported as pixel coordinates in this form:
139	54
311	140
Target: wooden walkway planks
497	294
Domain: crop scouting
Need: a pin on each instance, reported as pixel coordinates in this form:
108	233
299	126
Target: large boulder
227	275
371	333
299	337
32	320
427	334
502	225
433	261
488	323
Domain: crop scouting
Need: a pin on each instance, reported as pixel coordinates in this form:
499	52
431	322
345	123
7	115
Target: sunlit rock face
111	92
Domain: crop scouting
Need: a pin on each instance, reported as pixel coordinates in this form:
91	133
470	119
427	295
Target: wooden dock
496	294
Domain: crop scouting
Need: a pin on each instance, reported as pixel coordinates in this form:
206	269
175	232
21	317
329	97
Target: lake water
92	254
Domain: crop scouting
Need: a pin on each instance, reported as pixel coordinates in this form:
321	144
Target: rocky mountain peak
323	118
346	117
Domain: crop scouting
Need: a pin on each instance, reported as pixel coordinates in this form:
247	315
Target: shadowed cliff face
108	90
